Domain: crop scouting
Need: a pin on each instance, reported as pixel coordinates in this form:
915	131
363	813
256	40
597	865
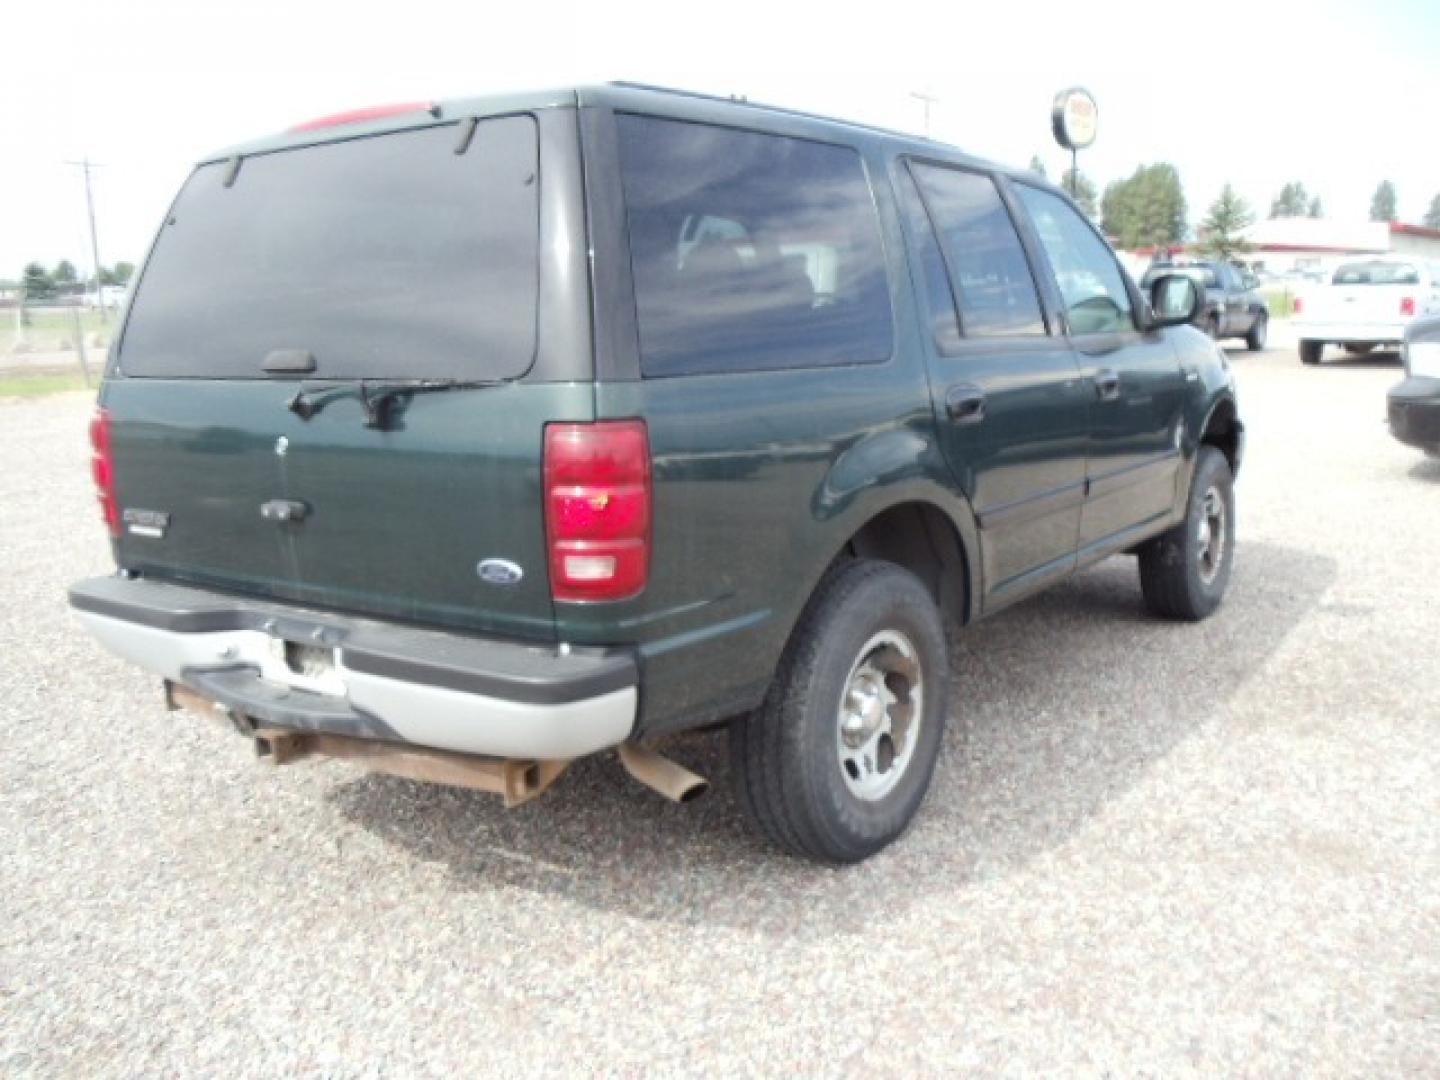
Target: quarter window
750	251
1091	285
986	261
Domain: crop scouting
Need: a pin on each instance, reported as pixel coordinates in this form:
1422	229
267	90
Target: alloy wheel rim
1210	536
878	719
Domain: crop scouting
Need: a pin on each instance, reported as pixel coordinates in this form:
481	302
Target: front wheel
1184	572
1255	339
835	763
1310	351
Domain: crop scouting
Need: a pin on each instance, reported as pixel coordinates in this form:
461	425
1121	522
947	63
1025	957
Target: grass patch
40	384
1281	304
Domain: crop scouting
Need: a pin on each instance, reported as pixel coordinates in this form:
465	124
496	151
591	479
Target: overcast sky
1335	94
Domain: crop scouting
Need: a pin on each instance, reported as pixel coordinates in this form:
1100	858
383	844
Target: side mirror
1175	299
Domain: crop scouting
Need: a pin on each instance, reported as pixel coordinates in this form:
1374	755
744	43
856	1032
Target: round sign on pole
1074	118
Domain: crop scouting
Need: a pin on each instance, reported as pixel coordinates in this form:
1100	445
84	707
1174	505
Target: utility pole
926	98
85	165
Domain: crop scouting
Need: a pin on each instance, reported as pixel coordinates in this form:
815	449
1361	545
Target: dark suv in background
1233	306
467	439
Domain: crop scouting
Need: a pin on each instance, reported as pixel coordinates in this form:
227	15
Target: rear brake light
1299	305
597	509
102	470
356	116
1407	306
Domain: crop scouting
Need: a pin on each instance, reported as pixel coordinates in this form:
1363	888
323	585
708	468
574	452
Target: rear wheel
1184	572
1255	339
835	763
1310	351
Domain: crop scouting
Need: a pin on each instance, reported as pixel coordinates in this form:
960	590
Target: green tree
1316	209
64	273
1037	166
1083	191
38	285
119	274
1293	201
1432	216
1382	203
1222	232
1145	208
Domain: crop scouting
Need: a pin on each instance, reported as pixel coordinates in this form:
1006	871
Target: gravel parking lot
1150	848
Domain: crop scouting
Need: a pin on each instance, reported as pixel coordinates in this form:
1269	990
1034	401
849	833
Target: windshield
1376	273
1203	275
391	256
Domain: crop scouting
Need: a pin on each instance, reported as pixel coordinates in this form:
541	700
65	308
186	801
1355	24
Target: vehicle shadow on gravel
1427	469
1063	703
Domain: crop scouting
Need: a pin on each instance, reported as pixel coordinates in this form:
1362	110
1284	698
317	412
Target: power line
927	98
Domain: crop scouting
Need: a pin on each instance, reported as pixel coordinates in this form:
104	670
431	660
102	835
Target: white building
1286	247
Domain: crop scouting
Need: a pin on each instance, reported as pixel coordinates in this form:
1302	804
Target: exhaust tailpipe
658	773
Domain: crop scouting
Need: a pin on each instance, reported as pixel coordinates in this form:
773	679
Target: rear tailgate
1374	293
405	273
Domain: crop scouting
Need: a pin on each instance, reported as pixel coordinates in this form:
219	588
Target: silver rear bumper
381	681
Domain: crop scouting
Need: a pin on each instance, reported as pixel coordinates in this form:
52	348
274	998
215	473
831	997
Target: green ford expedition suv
464	440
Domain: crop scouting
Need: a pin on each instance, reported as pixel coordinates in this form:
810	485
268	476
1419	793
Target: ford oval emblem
499	572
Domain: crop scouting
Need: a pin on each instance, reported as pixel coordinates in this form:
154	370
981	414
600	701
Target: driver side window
1096	300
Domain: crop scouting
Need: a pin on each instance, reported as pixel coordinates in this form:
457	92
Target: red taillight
372	112
597	509
102	470
1407	306
1299	305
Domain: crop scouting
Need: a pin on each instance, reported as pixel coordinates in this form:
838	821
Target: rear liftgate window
390	256
750	252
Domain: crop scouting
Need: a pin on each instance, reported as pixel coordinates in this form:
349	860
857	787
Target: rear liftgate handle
965	403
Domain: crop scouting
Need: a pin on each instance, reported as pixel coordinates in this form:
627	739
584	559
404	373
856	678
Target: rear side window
750	252
1096	300
388	256
993	283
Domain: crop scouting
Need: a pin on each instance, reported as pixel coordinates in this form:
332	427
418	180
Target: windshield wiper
379	397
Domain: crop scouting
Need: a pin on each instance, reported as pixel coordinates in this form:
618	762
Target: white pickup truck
1366	304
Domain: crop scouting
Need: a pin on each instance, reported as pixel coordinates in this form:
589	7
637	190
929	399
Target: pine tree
1382	203
1432	216
1222	231
1291	202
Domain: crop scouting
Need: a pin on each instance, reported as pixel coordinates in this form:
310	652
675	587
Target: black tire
1310	351
1255	339
787	755
1359	348
1177	580
1212	326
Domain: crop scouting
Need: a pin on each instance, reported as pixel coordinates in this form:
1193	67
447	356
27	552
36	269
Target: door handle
283	510
965	403
1107	384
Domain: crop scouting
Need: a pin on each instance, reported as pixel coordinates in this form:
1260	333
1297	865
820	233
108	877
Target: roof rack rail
737	99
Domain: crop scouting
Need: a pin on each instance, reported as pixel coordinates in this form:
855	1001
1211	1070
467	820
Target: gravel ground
1150	848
